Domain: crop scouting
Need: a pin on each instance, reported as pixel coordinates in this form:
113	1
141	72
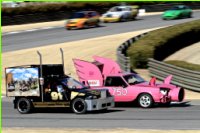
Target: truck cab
47	86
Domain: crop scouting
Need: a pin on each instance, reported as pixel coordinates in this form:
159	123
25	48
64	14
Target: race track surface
12	42
177	116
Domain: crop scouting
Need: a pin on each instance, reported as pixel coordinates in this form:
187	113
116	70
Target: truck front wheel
79	106
24	105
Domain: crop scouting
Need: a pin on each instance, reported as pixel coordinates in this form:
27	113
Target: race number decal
56	96
120	91
94	82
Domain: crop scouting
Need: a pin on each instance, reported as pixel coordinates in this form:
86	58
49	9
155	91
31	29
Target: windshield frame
63	81
78	15
136	76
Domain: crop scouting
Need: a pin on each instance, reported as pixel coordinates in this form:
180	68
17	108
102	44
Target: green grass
183	64
163	42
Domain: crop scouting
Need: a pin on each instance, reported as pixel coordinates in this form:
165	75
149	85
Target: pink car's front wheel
145	100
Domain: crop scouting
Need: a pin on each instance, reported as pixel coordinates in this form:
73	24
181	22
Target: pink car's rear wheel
145	100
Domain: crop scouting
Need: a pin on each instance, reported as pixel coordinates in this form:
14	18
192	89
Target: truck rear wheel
24	105
79	106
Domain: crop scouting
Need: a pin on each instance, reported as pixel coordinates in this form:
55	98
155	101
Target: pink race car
126	87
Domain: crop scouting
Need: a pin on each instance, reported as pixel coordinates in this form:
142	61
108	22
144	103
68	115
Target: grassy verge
163	42
184	64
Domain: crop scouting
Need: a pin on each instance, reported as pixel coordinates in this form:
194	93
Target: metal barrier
122	59
182	77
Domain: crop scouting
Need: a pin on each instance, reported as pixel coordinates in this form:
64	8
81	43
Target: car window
133	79
128	9
78	15
93	14
115	81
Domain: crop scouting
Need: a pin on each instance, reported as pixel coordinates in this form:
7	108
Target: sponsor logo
94	82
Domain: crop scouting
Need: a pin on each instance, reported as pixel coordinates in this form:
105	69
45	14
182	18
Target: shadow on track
67	110
135	105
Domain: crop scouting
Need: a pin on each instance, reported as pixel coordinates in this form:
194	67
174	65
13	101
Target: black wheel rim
79	106
23	106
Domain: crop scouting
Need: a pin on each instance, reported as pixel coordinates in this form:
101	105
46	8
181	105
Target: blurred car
120	13
83	19
179	11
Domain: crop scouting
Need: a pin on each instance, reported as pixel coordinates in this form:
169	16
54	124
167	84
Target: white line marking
30	30
50	27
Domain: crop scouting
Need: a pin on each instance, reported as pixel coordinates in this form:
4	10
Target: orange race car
83	19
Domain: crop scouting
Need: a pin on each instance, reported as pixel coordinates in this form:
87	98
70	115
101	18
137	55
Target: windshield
176	8
78	15
72	83
116	9
133	79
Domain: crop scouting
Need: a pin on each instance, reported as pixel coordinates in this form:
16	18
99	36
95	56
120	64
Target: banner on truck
22	82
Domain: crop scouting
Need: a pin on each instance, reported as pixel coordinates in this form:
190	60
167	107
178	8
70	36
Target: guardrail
182	77
122	59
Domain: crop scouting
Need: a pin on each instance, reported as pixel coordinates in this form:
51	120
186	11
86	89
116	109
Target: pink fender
88	73
109	66
168	79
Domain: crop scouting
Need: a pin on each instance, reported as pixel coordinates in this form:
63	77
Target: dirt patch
185	54
45	130
83	49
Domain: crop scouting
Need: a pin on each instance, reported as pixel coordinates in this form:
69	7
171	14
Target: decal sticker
94	82
56	96
120	91
22	82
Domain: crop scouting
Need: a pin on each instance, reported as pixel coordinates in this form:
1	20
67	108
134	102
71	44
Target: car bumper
99	104
110	19
73	26
169	17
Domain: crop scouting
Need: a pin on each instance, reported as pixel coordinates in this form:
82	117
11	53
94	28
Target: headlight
67	21
91	97
164	91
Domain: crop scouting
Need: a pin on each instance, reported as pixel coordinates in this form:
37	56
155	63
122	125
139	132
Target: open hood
109	66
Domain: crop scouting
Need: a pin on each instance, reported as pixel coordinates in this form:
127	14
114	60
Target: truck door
117	88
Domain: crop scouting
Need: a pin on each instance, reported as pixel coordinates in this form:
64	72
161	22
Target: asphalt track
177	116
23	40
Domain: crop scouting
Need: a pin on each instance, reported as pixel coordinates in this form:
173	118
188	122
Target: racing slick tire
79	106
24	106
85	26
145	100
122	19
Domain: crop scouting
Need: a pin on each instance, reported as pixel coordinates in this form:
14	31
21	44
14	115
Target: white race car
120	13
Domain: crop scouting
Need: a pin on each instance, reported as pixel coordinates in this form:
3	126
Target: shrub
159	44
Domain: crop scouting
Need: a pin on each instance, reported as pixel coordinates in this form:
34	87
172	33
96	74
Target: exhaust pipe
177	94
41	75
62	55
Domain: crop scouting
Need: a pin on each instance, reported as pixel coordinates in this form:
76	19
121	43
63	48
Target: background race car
83	19
180	11
120	13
